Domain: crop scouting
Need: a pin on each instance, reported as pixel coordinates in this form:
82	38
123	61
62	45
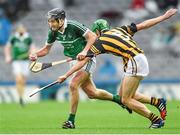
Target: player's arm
90	38
45	49
83	31
151	22
75	68
7	53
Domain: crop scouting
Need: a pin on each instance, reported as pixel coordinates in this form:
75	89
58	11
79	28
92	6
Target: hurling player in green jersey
76	40
119	41
17	51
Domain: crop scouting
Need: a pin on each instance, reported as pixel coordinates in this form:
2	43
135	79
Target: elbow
46	51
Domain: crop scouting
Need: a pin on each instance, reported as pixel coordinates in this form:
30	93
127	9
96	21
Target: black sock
154	118
154	101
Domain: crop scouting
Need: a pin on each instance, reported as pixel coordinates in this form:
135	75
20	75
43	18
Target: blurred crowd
13	9
140	9
10	11
165	39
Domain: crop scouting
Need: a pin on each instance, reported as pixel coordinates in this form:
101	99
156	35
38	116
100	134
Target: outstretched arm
151	22
75	68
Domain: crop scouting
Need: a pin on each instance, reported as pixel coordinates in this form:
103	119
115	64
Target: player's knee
20	80
92	95
73	86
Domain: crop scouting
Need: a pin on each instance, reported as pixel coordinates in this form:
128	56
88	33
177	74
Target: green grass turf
96	117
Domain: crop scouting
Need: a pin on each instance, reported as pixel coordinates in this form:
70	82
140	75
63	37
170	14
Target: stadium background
164	62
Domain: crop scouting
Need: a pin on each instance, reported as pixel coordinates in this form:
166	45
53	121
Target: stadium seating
162	65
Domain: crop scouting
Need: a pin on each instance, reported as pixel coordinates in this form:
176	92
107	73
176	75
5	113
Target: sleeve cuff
49	44
86	32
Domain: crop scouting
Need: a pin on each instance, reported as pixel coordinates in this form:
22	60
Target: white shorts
21	67
89	67
138	66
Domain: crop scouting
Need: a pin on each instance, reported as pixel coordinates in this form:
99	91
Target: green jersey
72	38
20	46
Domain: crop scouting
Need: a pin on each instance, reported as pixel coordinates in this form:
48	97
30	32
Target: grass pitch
99	117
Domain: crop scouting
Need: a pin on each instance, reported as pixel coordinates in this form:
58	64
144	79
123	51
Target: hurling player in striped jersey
119	41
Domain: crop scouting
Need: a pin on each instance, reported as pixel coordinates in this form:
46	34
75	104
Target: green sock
117	99
71	117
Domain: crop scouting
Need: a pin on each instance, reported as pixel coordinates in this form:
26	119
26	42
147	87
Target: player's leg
20	70
129	87
142	98
135	70
93	93
159	103
20	86
76	81
101	94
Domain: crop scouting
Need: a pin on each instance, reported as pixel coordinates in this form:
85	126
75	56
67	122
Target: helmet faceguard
56	13
100	25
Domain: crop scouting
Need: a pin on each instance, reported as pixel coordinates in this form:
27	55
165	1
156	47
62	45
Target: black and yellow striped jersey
117	41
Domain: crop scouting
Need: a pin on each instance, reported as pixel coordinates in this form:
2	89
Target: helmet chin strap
99	31
61	26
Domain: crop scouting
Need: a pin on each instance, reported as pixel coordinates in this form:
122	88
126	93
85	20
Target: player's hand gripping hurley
38	66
